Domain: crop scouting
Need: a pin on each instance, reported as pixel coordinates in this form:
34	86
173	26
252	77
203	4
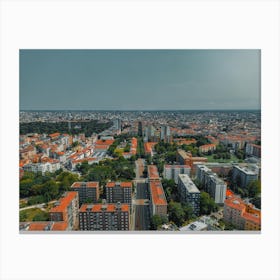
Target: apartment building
157	198
88	191
243	175
211	183
206	148
253	150
242	215
104	217
173	171
119	192
67	210
189	193
186	158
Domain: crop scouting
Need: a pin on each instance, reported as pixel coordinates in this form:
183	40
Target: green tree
176	213
207	204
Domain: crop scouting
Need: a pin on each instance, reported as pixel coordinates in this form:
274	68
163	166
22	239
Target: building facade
189	193
119	192
242	215
88	191
173	171
104	217
67	210
211	183
243	175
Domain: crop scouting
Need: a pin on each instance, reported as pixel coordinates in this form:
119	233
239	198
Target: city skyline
141	80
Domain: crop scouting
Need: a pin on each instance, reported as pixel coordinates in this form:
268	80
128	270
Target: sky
140	79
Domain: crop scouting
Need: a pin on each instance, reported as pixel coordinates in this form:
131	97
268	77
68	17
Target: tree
176	213
156	222
254	188
207	204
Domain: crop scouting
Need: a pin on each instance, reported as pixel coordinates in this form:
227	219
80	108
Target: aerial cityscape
140	140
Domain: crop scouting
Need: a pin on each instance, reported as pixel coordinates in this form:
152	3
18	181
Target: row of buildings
80	209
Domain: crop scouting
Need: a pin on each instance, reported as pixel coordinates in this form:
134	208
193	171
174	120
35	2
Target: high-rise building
189	193
66	209
242	176
165	134
140	129
104	217
209	180
173	171
88	191
119	192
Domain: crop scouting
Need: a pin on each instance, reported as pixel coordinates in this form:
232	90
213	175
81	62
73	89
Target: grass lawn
29	214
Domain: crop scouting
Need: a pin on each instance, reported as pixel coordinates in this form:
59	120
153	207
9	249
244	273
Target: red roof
64	202
122	184
153	172
106	207
38	225
88	184
59	226
157	192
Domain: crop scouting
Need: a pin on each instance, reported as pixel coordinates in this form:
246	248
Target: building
186	158
153	173
157	198
104	217
119	192
243	175
88	191
173	171
206	148
242	215
195	226
140	129
211	183
189	193
66	210
43	226
253	150
165	134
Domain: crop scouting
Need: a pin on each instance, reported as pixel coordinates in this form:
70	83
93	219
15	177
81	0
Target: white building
211	183
173	171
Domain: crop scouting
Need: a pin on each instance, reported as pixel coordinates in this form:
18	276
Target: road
41	206
142	211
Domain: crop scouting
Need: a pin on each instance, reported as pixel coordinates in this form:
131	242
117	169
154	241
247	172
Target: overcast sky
139	79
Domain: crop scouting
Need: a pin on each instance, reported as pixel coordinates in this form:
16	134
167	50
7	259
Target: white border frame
124	24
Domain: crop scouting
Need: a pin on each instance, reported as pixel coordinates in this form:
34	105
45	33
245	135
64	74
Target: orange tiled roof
53	135
38	225
109	207
64	202
157	192
122	184
88	184
153	172
59	226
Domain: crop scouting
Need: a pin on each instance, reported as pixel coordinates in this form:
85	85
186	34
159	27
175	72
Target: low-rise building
242	215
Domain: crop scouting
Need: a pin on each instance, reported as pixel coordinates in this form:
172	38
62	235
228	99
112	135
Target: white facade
173	171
